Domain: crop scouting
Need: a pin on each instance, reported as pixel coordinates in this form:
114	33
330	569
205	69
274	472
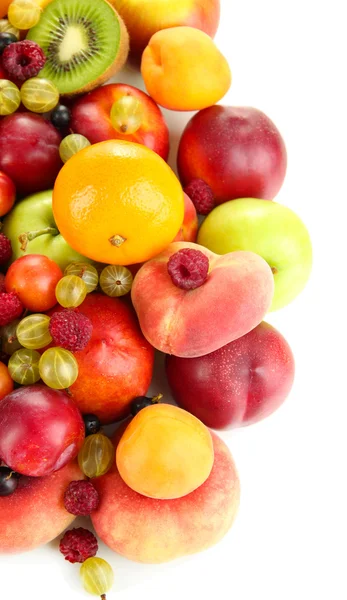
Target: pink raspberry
188	268
10	308
23	60
5	249
70	330
78	544
201	195
81	498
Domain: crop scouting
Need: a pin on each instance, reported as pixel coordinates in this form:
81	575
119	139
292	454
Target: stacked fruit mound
102	264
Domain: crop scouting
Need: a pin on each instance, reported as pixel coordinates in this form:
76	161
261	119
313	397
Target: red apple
189	229
41	430
239	384
238	151
91	118
29	152
7	194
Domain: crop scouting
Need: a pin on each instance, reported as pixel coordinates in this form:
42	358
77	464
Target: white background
289	540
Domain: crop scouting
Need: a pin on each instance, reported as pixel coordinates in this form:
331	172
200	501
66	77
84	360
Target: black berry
8	481
6	39
61	116
142	402
91	424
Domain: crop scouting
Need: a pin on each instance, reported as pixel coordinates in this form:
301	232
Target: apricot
147	530
183	69
165	452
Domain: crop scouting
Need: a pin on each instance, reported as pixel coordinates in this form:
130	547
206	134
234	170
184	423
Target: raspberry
10	308
2	283
23	60
201	195
81	498
5	249
188	268
70	330
78	544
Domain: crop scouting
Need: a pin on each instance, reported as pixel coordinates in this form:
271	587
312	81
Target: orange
118	203
4	4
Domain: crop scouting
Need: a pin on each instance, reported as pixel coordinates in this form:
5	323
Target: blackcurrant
6	39
61	116
8	481
142	402
92	424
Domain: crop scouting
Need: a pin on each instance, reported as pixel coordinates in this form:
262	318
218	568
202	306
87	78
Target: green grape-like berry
115	280
39	95
24	14
7	27
70	292
9	97
72	144
97	576
23	366
96	456
9	340
33	331
127	115
86	272
58	368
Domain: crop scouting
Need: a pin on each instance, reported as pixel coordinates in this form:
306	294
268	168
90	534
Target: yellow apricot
165	452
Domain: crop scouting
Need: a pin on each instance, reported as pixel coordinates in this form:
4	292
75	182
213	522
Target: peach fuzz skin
189	229
183	69
143	19
233	300
147	530
35	514
165	452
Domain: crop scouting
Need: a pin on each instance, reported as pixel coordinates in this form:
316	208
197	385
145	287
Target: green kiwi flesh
81	40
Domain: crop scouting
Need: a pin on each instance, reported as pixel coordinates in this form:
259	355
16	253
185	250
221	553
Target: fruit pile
104	261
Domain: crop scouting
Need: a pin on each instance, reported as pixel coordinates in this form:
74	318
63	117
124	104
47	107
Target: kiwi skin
116	66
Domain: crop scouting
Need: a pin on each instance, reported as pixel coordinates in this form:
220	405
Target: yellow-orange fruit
165	452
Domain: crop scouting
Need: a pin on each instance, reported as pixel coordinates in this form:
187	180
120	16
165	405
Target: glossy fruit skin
29	152
6	382
61	116
7	194
58	368
97	576
9	97
41	430
24	14
237	385
86	272
122	232
71	144
91	116
9	340
92	424
5	40
33	331
39	95
8	481
70	291
96	455
269	229
34	278
35	214
24	366
118	361
238	151
4	4
116	281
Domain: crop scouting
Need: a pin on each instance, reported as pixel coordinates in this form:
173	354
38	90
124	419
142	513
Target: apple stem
24	238
274	270
157	398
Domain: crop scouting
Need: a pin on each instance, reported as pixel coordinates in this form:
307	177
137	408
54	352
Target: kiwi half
85	43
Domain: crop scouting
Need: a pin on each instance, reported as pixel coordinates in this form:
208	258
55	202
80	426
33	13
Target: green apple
269	229
32	230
